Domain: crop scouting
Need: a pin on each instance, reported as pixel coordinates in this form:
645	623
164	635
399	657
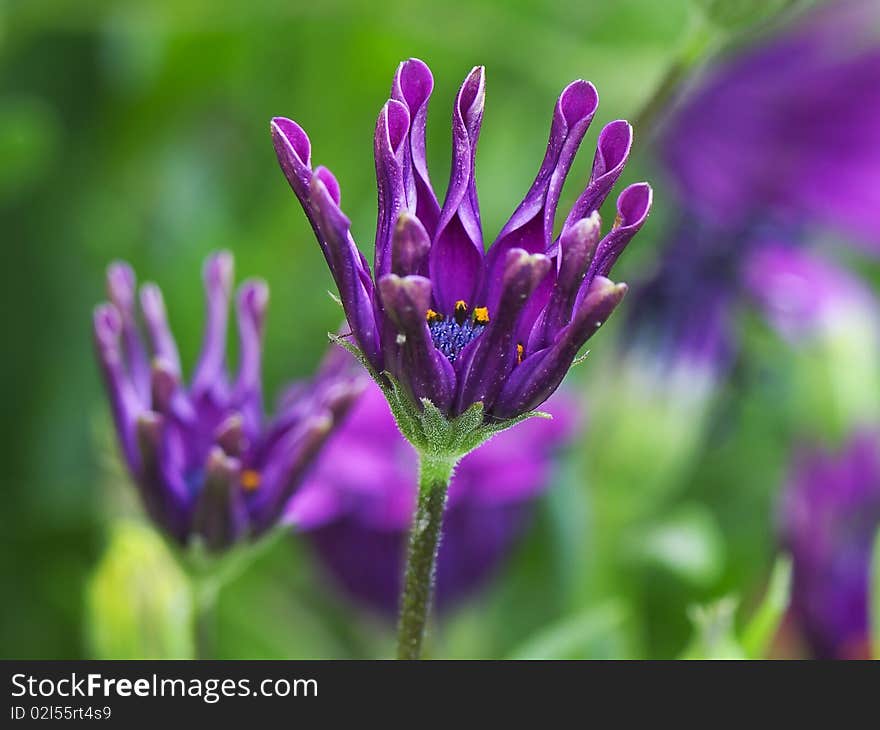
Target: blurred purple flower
801	292
451	322
777	136
682	314
358	502
206	460
789	126
830	512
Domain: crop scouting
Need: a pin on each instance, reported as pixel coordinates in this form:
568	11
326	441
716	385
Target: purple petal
612	152
230	436
576	248
293	149
220	516
392	129
124	400
161	486
423	369
153	308
350	271
251	304
282	469
537	377
210	371
633	207
531	225
412	85
488	361
121	290
457	253
409	246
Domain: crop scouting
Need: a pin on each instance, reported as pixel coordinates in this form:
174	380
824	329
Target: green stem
424	539
206	590
700	39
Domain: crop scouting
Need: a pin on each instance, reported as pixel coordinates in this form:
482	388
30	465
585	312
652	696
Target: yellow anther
520	351
481	315
461	306
250	479
433	316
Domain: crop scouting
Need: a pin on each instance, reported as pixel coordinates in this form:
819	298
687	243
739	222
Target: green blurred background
139	131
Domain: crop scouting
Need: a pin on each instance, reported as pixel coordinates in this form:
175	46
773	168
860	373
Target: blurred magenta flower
829	514
208	463
357	503
789	126
802	292
681	316
449	321
773	140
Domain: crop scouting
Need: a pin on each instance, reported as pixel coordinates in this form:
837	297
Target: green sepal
429	431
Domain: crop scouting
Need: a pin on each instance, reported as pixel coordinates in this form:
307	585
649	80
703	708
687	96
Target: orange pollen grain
519	354
250	479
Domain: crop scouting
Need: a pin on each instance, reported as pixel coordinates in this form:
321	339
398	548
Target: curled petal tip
152	301
253	297
394	122
634	204
219	269
289	136
121	284
472	95
613	147
578	101
413	82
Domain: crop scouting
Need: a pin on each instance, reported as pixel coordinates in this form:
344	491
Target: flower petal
633	207
124	400
390	142
538	376
457	252
531	225
576	248
220	516
210	373
121	290
350	270
409	246
412	85
251	304
156	318
421	368
612	152
487	362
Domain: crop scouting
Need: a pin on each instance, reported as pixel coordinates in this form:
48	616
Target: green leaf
139	602
597	633
759	632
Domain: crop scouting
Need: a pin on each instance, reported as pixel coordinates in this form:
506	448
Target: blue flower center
452	334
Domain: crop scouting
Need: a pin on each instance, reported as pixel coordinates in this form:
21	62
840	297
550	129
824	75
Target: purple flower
789	126
803	293
682	314
358	502
830	512
449	321
208	463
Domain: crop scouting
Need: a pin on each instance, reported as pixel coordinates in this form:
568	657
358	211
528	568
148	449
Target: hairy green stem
424	540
